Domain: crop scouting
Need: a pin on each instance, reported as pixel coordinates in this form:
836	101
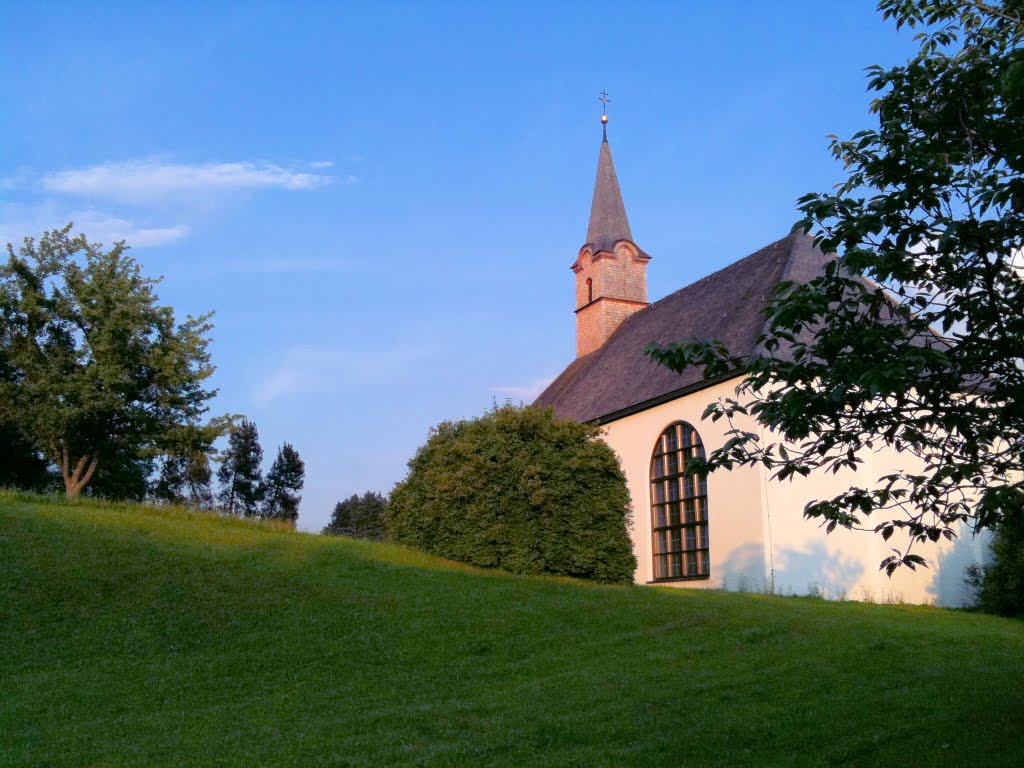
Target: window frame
676	497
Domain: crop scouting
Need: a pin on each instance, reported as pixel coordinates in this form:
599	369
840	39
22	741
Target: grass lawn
134	636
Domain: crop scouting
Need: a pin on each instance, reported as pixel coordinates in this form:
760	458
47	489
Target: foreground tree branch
912	338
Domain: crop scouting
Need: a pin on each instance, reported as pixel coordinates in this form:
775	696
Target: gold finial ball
604	118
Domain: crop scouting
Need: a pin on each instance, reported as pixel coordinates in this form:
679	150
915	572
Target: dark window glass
691	511
687	435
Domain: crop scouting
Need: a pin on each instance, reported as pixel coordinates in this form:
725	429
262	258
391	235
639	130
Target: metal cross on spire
603	98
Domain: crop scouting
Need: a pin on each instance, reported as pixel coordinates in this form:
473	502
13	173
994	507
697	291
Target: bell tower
611	270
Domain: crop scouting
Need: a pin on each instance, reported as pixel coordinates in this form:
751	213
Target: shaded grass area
136	636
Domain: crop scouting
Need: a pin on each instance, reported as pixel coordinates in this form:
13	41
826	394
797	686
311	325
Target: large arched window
679	507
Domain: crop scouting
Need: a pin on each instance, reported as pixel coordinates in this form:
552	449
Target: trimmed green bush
519	490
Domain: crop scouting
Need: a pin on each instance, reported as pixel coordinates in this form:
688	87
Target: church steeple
611	271
608	222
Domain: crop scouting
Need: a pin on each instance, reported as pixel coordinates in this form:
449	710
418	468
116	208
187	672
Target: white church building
737	529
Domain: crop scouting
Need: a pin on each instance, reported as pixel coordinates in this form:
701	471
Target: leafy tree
21	465
98	368
359	517
284	481
520	490
240	475
911	339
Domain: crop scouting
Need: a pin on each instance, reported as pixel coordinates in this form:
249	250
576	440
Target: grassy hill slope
132	636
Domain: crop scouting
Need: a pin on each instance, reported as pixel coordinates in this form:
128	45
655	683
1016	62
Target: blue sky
381	200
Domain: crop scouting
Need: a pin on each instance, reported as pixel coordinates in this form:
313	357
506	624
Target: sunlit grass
131	635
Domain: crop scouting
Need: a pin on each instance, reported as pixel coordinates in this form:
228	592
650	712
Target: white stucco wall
759	539
845	563
735	503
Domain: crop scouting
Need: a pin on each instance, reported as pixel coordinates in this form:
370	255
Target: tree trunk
77	477
231	498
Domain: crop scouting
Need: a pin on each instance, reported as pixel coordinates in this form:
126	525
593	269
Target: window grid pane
679	507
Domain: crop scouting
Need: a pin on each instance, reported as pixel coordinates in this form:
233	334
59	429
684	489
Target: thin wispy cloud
307	369
146	202
104	228
527	393
20	221
150	180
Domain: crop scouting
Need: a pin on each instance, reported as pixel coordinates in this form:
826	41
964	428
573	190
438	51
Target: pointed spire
608	222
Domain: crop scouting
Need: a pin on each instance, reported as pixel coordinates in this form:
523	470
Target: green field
134	636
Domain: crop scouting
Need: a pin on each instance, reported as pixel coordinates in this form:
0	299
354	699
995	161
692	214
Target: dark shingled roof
608	223
728	305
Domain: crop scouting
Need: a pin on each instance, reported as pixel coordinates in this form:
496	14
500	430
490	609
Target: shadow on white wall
948	586
812	571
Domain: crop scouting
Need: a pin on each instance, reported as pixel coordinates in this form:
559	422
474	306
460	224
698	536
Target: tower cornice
618	249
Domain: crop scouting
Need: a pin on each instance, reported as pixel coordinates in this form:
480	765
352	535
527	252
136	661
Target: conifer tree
284	481
361	517
186	480
240	476
170	484
199	481
342	518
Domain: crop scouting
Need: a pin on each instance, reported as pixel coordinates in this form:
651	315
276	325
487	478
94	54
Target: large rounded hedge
518	489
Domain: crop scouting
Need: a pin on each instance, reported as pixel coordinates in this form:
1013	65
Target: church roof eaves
667	397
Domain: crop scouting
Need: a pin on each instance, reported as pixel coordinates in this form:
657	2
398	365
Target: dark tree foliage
92	367
518	489
241	478
21	465
199	481
912	338
170	485
359	517
999	585
284	481
123	476
185	480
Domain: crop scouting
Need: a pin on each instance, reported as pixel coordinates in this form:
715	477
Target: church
737	529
